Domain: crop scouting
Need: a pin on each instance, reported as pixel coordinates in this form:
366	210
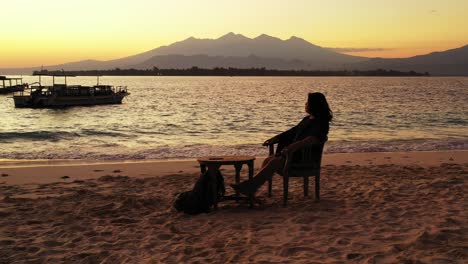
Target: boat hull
66	101
12	89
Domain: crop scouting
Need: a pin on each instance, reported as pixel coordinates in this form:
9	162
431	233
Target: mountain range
236	50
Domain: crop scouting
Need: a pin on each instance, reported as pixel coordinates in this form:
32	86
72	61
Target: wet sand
407	207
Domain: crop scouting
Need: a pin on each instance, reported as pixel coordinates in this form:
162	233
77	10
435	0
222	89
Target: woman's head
317	106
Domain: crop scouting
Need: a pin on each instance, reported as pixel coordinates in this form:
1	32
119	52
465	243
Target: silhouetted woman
313	129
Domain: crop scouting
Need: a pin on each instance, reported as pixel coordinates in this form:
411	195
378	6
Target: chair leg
306	186
270	186
285	190
317	187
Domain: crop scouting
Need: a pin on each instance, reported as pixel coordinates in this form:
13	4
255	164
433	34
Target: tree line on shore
195	71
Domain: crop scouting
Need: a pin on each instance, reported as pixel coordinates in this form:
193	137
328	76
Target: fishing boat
7	85
60	95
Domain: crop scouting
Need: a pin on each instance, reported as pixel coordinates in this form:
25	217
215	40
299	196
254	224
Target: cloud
359	49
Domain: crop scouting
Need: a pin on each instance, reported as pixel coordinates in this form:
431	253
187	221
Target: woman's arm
288	134
271	141
308	141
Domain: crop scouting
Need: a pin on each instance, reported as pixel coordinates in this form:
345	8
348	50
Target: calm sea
186	117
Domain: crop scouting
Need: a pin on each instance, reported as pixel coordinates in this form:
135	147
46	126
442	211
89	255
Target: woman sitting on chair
312	130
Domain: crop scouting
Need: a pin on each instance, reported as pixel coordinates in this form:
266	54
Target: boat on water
62	95
7	85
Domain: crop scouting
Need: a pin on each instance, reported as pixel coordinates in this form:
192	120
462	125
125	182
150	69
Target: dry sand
375	208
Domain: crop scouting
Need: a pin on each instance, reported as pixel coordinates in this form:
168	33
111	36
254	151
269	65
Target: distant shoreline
195	71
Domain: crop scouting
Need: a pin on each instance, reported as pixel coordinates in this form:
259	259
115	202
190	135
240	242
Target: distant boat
7	85
63	95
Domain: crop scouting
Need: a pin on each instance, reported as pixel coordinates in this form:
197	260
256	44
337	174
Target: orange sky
53	31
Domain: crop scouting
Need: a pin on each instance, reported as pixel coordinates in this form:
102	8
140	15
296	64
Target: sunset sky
57	31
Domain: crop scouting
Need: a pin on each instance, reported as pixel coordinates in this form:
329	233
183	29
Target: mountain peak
190	39
232	36
299	41
266	37
294	38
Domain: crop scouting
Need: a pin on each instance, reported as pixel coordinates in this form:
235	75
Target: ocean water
186	117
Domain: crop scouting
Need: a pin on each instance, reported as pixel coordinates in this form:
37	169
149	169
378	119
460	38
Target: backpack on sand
200	198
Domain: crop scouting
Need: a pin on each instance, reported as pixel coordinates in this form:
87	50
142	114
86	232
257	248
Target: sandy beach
402	207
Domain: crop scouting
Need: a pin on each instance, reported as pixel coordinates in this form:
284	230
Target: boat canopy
18	81
55	74
4	78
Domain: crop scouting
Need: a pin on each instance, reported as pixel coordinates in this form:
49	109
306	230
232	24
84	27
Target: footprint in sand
6	242
52	243
164	236
78	181
342	241
32	249
354	256
288	251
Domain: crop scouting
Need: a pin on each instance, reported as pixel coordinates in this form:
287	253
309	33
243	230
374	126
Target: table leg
250	164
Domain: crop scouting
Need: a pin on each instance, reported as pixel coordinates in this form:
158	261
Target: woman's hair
318	106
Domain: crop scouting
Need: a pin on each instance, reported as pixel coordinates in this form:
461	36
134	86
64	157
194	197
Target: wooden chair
307	166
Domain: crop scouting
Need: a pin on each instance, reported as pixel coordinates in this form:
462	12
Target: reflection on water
168	117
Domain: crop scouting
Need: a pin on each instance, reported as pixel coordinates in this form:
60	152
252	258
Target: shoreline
5	163
48	171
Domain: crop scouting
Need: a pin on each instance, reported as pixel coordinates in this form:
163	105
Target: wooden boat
7	85
63	95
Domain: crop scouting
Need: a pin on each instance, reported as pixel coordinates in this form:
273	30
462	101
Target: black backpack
200	198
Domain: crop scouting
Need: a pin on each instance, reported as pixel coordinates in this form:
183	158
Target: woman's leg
266	161
270	166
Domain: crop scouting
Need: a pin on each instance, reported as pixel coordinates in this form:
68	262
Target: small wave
92	132
36	136
456	121
396	145
119	152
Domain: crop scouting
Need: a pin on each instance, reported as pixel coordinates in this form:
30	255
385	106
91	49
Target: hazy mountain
229	45
236	45
450	62
236	50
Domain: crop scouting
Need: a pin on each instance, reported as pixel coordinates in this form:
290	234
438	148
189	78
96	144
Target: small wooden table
213	163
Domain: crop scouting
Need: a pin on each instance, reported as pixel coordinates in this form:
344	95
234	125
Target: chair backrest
307	162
